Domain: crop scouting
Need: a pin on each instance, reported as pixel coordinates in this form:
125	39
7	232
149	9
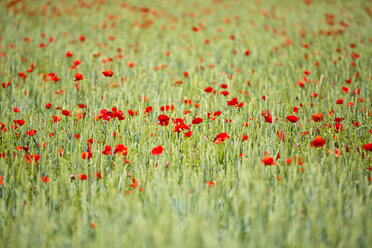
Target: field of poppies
170	123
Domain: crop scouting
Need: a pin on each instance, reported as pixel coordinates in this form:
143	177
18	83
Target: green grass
318	200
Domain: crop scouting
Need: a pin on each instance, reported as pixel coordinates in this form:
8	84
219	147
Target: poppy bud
25	148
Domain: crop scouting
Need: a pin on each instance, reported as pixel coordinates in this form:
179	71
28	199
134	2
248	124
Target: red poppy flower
107	150
34	157
82	176
78	77
134	184
121	148
211	184
292	118
22	74
108	115
197	121
208	89
232	102
48	105
267	115
108	73
167	108
180	127
188	134
76	63
217	113
317	117
317	142
5	84
148	109
338	119
340	101
131	112
221	138
31	132
86	155
245	137
268	118
69	54
163	120
338	127
157	150
268	161
367	147
20	122
45	179
66	112
1	180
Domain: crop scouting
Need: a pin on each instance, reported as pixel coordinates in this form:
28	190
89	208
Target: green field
171	123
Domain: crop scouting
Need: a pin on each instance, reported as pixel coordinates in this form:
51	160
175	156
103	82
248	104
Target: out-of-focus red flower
268	161
78	77
45	179
232	102
148	109
188	134
107	150
317	117
197	121
31	132
163	120
121	148
367	147
86	155
157	150
108	73
20	122
208	89
211	184
131	112
69	54
317	142
221	138
292	118
66	112
30	158
134	184
82	176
